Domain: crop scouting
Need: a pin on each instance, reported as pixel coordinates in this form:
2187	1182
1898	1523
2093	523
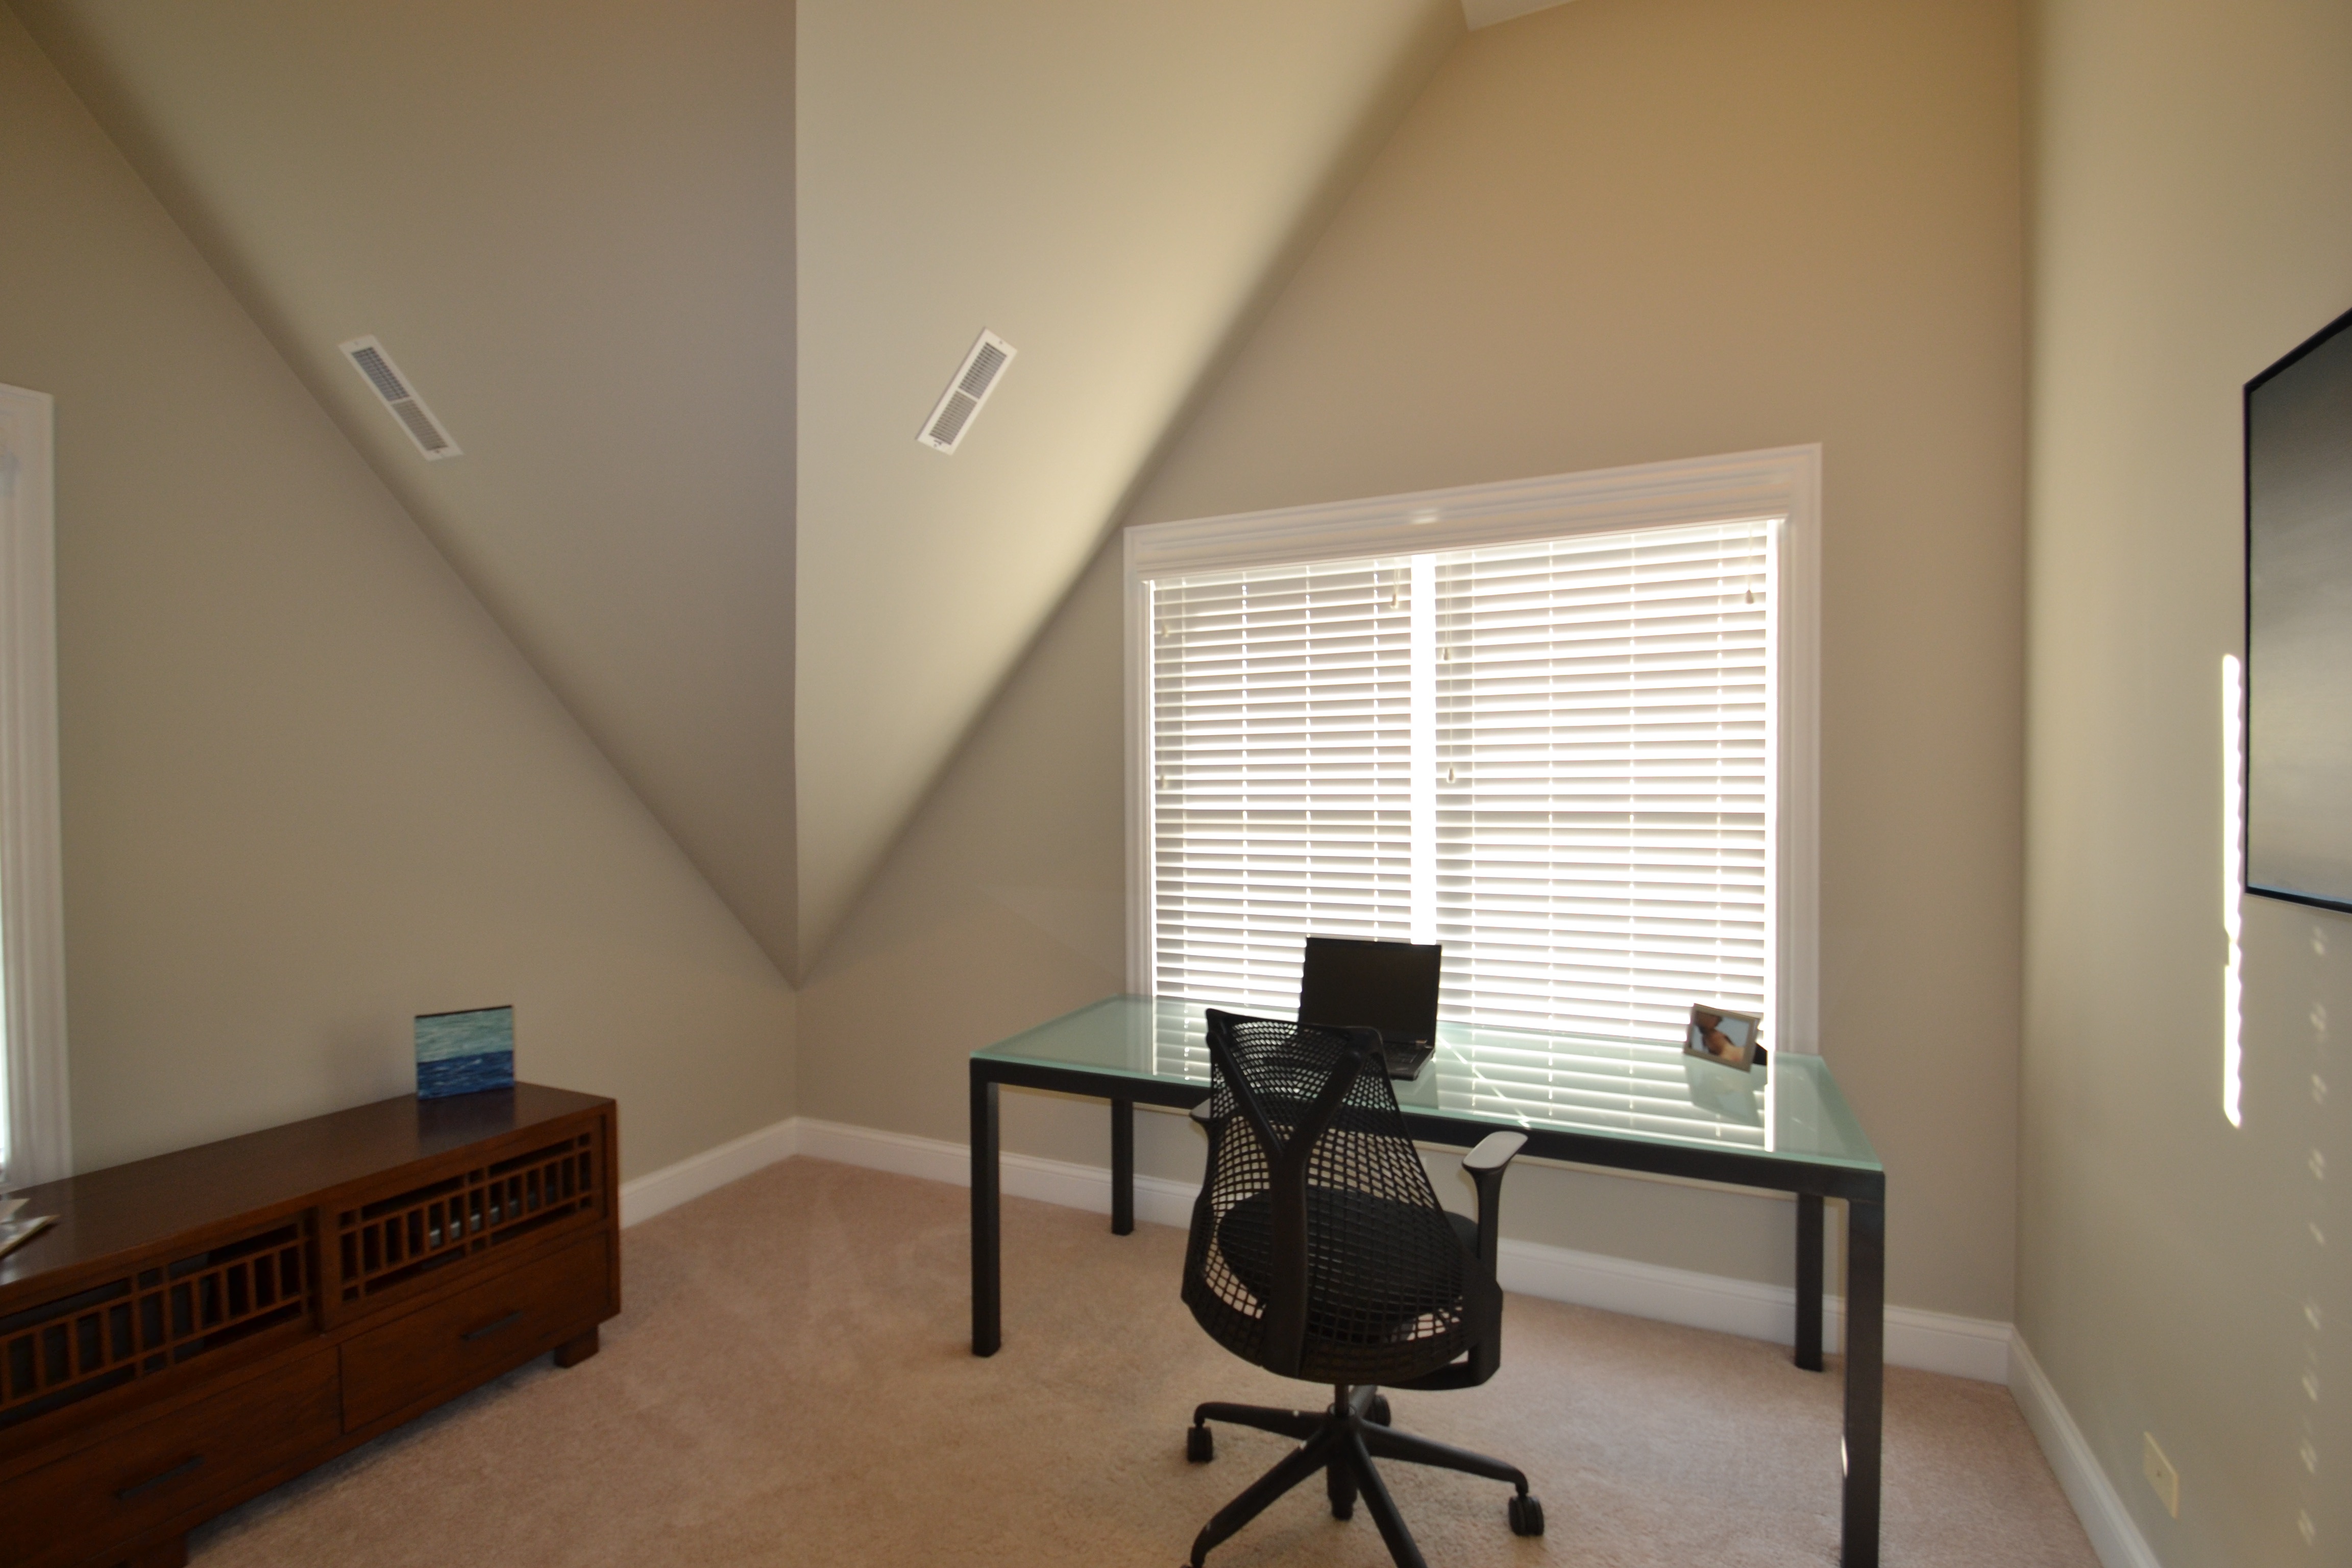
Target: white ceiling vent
375	366
974	380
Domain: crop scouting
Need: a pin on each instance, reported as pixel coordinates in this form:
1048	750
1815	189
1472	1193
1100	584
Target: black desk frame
1864	1192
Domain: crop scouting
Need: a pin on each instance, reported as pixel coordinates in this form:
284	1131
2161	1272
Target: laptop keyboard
1405	1058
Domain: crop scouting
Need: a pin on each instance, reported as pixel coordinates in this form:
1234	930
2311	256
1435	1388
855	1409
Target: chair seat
1377	1269
1372	1281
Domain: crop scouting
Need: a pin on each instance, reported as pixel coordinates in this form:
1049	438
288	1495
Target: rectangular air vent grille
375	367
967	391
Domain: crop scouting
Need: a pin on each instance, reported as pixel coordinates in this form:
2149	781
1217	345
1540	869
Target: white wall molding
2114	1536
1931	1341
32	908
1088	1187
1947	1342
1777	480
657	1192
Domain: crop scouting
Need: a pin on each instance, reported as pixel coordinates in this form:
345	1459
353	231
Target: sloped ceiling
573	224
1109	187
570	222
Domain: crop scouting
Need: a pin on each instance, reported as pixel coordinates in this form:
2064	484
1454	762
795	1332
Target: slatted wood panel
387	1243
152	1319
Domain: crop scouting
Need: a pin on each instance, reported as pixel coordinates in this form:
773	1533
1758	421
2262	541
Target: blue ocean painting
465	1053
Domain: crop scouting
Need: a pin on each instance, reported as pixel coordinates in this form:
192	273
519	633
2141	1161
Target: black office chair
1320	1251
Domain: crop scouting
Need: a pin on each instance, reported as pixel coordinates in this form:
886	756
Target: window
35	1135
1563	726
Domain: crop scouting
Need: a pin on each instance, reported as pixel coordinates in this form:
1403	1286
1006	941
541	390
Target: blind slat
1600	775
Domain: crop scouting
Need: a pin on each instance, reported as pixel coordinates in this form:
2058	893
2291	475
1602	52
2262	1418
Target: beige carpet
791	1383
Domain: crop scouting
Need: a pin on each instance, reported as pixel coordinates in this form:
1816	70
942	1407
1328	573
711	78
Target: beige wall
309	789
1618	231
1140	176
571	223
2190	226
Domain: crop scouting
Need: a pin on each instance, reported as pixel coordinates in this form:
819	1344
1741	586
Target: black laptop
1391	986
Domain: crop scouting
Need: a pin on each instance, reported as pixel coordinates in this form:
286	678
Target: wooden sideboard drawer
474	1334
173	1465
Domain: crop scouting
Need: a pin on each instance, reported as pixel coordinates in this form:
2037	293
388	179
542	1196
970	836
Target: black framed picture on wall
2298	722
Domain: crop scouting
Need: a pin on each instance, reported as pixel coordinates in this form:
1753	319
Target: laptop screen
1390	986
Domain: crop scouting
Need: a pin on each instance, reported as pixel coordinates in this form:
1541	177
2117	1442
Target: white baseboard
1944	1341
2114	1536
1088	1187
1932	1341
659	1190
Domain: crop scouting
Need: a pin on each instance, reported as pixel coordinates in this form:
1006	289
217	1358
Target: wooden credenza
199	1327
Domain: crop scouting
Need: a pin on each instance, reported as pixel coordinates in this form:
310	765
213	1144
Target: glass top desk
1619	1104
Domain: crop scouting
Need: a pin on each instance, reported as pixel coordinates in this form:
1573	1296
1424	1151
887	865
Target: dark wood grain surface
474	1334
182	1339
103	1214
167	1467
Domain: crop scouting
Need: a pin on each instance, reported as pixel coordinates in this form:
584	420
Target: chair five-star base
1342	1442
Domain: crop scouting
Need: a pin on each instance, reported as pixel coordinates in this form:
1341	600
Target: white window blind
1604	784
1282	758
1556	757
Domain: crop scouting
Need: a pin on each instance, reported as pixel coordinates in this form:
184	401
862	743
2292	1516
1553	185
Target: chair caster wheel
1378	1411
1527	1515
1201	1446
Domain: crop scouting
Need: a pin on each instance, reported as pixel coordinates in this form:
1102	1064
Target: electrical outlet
2160	1473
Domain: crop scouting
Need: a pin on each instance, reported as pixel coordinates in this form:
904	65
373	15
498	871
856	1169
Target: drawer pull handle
486	1329
128	1493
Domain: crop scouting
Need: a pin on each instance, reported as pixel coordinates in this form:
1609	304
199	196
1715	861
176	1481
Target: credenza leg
172	1553
573	1351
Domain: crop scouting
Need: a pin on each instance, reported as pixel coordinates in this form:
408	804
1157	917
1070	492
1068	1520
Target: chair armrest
1494	1152
1486	1165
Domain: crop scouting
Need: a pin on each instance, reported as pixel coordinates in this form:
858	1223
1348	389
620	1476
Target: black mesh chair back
1319	1249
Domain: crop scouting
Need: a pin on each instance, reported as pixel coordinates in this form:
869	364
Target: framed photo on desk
1721	1035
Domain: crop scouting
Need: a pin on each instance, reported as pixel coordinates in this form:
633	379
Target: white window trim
32	908
1785	481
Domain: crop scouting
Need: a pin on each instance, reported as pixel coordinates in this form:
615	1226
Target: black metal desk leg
987	1308
1122	1167
1809	1281
1865	1377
